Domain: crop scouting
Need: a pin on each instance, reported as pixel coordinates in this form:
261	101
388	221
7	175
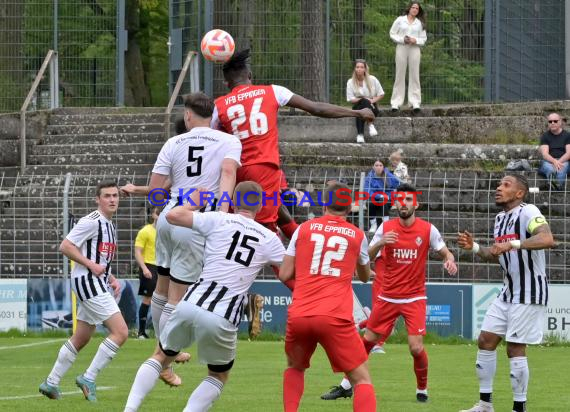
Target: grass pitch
255	381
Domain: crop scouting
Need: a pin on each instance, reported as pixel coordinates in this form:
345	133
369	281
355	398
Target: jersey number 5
257	119
196	168
239	255
340	245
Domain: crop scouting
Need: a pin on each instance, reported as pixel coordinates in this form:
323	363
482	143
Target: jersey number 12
318	267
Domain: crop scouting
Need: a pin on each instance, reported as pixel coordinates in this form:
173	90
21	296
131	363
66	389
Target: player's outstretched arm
72	252
287	269
132	190
448	261
328	110
465	241
184	215
363	272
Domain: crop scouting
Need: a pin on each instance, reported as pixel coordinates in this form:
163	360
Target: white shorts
515	322
98	309
214	335
179	248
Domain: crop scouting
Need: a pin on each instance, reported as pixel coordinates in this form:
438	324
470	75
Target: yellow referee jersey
146	239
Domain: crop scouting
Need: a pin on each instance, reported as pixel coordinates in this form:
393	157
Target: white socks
166	312
519	378
157	303
486	367
345	383
146	378
65	359
106	352
204	395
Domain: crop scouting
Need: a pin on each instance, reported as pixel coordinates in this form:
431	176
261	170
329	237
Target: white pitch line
27	345
39	395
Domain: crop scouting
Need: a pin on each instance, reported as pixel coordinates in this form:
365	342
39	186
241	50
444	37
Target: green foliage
152	38
447	74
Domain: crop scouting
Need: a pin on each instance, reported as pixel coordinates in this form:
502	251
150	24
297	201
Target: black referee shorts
147	286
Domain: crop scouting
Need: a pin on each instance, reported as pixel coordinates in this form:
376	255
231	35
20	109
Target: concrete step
99	158
472	130
26	269
106	118
96	149
484	109
103	171
103	129
417	155
96	139
71	111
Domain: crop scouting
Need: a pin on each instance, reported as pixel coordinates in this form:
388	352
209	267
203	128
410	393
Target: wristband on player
475	249
516	244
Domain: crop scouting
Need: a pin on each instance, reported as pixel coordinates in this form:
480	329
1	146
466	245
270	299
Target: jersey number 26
257	119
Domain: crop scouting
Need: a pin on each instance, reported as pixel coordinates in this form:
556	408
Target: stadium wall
453	310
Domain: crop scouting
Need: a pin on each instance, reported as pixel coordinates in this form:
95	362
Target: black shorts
146	286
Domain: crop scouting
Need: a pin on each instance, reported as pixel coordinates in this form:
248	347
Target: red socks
421	369
364	398
289	228
293	387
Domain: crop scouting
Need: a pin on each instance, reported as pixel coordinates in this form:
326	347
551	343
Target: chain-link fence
83	34
31	218
310	46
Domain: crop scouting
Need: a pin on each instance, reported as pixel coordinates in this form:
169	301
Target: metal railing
190	62
32	209
51	60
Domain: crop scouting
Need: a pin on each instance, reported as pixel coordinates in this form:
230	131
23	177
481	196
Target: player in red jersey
322	256
400	247
250	113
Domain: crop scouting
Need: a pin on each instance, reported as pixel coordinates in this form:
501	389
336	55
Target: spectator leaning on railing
555	151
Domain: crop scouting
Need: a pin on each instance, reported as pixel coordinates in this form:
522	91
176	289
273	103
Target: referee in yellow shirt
146	259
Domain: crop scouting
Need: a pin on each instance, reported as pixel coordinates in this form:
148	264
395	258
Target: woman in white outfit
408	32
363	90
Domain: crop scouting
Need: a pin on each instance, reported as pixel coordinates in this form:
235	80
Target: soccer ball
217	46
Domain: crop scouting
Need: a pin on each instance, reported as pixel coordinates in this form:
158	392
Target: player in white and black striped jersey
236	250
91	244
521	234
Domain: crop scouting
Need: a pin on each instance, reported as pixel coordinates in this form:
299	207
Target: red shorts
268	177
338	337
384	315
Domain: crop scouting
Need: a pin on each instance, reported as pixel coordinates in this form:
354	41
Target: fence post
122	46
54	81
208	66
361	205
328	51
66	225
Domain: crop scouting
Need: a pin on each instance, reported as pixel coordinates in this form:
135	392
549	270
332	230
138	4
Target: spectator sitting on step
399	168
379	179
363	90
555	150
